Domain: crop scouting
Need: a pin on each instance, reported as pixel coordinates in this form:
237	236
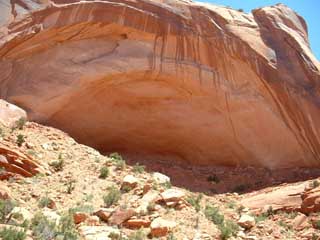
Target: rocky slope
167	80
72	199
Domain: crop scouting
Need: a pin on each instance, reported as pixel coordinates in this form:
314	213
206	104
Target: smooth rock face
168	79
10	114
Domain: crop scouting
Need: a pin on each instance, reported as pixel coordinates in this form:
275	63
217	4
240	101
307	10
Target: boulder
79	217
10	114
172	197
246	221
121	215
160	178
310	201
300	222
104	214
129	182
137	223
161	227
23	212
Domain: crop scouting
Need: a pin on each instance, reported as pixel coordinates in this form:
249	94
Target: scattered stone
23	212
4	192
146	188
310	201
104	214
246	221
172	195
121	215
137	223
160	227
130	182
160	178
93	221
300	222
97	232
79	217
51	215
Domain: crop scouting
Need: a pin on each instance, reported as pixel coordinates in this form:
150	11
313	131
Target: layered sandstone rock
169	79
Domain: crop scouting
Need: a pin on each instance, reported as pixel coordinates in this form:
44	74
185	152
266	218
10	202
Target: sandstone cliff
170	79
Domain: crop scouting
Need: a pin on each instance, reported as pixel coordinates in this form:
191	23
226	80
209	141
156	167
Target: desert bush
20	123
228	229
137	168
195	202
138	235
112	197
85	208
45	202
171	237
213	178
118	160
58	164
70	186
6	207
20	140
213	214
42	228
67	228
240	188
12	234
151	207
104	172
314	184
115	236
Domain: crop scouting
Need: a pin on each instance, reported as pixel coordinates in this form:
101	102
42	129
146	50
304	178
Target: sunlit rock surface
170	79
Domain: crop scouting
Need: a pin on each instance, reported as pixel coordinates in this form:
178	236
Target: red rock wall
172	80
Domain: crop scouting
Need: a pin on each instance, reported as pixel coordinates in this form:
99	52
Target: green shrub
240	188
70	186
112	197
213	178
6	207
115	156
67	229
58	164
228	229
213	214
114	236
137	168
20	140
138	235
195	202
151	207
316	224
20	123
104	172
171	237
231	205
42	228
12	234
118	160
44	202
85	208
314	184
166	185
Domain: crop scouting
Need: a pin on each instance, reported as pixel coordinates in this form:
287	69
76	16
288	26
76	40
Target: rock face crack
174	80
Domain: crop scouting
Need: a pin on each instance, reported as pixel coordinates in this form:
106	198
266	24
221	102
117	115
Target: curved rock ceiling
171	79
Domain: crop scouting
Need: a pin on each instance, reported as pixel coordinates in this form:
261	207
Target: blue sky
308	9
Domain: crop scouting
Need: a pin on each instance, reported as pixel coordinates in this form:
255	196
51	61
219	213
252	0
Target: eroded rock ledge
175	80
